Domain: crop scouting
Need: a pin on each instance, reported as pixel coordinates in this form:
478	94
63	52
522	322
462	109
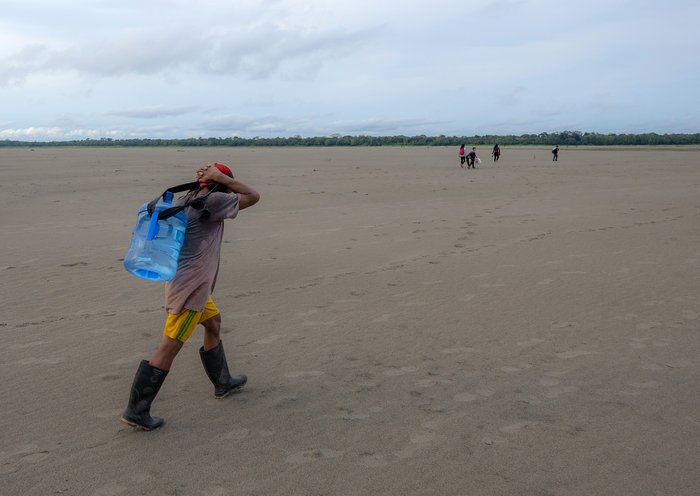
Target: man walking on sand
471	158
188	298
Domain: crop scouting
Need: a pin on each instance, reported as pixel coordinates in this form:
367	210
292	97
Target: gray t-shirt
198	264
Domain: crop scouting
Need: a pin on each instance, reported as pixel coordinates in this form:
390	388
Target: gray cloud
378	126
249	126
255	54
153	112
513	97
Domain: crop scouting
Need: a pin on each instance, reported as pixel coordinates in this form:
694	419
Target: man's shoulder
222	199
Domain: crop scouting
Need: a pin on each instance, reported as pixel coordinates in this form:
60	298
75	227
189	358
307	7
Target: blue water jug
155	244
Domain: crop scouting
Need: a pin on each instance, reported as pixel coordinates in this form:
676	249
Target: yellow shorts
181	325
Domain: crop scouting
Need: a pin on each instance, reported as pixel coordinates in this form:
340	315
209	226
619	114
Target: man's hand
210	174
247	195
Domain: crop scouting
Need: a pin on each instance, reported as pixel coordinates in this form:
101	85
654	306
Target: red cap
223	168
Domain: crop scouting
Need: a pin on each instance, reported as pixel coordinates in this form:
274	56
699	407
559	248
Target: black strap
197	203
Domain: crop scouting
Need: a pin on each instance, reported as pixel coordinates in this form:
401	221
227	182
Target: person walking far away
555	154
496	152
462	156
188	298
471	158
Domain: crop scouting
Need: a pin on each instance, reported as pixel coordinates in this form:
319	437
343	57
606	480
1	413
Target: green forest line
566	138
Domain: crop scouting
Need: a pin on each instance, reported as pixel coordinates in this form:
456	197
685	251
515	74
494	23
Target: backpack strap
197	203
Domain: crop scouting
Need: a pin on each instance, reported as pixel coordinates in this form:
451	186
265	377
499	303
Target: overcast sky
75	69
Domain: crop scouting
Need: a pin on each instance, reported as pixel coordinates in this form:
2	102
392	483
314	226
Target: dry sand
408	327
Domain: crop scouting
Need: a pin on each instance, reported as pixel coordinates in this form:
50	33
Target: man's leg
151	374
212	332
213	356
165	354
147	382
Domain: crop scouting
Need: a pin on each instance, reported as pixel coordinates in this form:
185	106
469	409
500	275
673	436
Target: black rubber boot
214	362
147	383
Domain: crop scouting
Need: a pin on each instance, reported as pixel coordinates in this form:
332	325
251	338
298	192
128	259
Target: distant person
462	156
496	152
471	158
188	298
555	154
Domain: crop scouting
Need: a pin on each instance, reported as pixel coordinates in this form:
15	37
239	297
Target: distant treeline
566	138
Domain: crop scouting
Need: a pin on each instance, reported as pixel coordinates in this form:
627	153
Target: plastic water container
156	244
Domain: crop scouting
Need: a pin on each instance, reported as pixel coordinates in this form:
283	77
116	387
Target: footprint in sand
316	323
385	317
645	326
645	385
426	439
555	373
109	414
576	353
307	312
24	346
427	383
530	399
491	440
545	282
75	264
689	315
269	339
312	455
653	366
25	454
557	391
237	434
303	373
464	397
549	382
216	491
111	489
373	460
40	361
638	343
466	298
563	325
354	417
430	425
510	370
414	304
513	428
678	364
400	371
458	350
486	393
347	300
629	393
